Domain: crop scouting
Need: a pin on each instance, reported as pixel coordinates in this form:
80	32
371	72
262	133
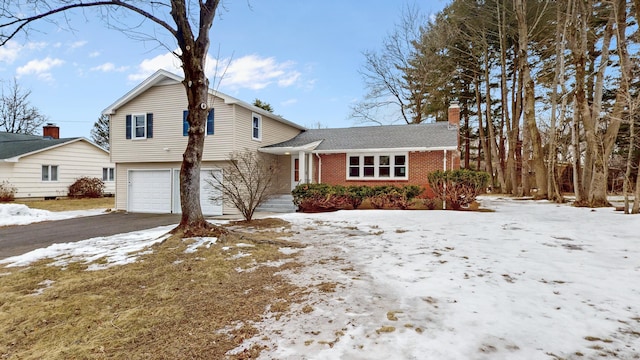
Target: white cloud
77	44
109	67
40	68
147	67
9	52
94	54
255	72
289	102
251	71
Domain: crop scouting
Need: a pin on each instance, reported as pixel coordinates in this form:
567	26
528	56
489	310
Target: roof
164	77
13	146
415	137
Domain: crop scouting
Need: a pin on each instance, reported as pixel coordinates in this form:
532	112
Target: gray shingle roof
425	136
12	145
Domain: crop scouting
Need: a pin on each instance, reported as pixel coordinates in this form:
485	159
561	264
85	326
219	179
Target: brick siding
334	167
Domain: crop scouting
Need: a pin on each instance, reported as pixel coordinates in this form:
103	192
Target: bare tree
383	75
248	178
188	23
100	131
17	115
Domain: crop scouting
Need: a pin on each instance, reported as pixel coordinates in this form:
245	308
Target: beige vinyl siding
122	182
167	103
273	131
74	160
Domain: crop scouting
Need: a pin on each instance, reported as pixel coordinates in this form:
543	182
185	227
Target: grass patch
167	305
70	204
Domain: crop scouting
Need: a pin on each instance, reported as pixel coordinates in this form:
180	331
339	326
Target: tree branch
22	22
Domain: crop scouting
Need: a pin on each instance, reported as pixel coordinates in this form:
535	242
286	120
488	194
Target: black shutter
149	125
210	123
128	125
185	123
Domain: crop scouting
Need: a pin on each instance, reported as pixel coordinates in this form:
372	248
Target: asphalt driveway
19	239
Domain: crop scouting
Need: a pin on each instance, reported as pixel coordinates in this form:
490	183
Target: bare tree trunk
495	158
552	181
529	101
516	147
194	52
481	133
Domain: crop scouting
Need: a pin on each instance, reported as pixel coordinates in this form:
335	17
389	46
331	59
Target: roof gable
435	136
164	77
14	146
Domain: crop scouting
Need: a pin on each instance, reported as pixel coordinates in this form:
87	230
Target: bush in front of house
458	188
325	197
394	197
86	187
7	191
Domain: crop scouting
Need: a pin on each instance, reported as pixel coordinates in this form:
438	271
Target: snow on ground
113	250
19	214
532	280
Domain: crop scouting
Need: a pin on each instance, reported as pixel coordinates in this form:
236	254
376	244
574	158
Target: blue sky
301	57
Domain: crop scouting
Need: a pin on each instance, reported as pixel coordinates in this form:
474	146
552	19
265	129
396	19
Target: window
139	126
256	127
354	166
49	172
375	167
209	125
108	174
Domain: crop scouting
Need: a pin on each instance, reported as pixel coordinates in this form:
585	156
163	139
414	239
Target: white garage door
209	207
150	191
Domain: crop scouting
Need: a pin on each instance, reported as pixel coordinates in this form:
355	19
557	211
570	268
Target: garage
149	191
209	207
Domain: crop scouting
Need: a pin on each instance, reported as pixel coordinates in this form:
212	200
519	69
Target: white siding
74	160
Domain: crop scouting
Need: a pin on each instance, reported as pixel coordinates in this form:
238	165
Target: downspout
319	168
444	160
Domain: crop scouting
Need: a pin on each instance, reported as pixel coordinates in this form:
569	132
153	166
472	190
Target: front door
295	171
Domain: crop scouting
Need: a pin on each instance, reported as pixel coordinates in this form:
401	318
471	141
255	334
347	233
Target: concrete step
280	204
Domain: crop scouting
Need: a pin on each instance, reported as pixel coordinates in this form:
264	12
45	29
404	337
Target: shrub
86	187
458	188
7	191
394	197
324	197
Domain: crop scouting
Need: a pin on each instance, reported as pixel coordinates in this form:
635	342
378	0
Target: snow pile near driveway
110	250
19	214
532	280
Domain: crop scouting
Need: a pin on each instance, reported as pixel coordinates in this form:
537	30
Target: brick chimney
454	114
50	131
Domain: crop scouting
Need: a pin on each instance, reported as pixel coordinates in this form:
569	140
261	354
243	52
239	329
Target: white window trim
49	173
254	115
376	165
111	174
134	133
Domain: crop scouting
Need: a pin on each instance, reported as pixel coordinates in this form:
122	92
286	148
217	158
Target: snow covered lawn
532	280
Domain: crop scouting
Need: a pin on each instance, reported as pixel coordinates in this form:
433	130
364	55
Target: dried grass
168	305
70	204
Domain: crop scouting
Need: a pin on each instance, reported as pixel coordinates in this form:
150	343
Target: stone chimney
454	114
50	131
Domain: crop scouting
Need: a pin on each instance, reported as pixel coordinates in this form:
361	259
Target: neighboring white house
45	166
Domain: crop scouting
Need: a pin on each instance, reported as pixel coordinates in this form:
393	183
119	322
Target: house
149	134
373	155
45	166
